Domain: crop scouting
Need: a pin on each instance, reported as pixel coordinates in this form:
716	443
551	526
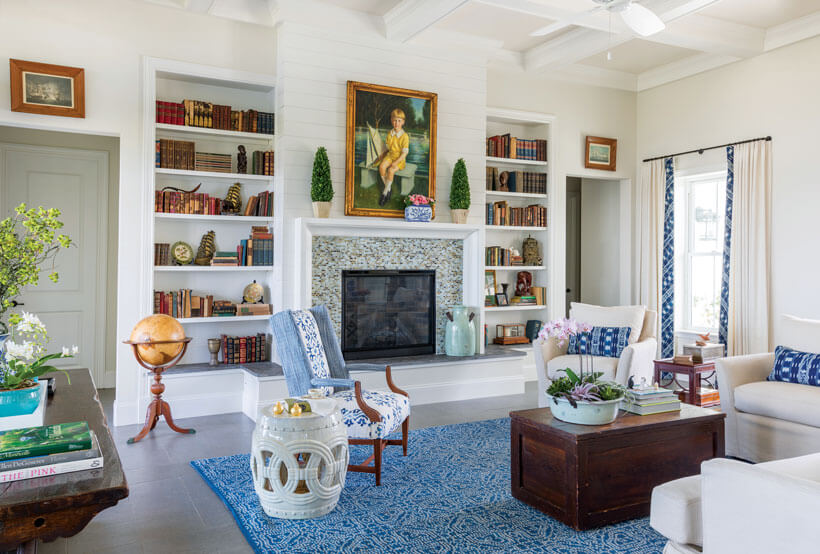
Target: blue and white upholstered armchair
311	358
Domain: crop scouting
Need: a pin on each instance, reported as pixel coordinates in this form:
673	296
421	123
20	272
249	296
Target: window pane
706	274
708	210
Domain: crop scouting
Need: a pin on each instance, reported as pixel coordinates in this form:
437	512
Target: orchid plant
23	357
583	387
418	200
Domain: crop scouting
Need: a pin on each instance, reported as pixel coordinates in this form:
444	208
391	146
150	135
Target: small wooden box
702	353
510	333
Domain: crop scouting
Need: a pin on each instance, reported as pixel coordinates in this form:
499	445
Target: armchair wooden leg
377	459
405	428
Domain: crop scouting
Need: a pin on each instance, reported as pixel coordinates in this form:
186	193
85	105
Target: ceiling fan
639	18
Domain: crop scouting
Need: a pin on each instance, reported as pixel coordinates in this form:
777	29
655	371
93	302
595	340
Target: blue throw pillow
601	341
794	366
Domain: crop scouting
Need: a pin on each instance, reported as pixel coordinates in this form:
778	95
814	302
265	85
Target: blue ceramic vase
422	213
459	333
20	401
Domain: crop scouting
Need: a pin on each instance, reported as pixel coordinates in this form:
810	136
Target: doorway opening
597	241
79	175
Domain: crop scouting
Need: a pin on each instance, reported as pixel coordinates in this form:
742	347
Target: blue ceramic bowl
20	401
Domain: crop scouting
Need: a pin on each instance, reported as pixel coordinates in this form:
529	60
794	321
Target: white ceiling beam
792	31
682	68
571	47
716	36
411	17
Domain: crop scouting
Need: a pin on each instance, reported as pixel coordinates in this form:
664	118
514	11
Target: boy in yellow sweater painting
393	160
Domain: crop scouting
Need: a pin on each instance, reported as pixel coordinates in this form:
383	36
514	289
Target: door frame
98	373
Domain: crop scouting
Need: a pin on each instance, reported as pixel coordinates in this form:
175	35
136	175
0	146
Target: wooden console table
695	372
62	505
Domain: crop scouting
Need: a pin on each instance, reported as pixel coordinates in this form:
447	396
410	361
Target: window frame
687	182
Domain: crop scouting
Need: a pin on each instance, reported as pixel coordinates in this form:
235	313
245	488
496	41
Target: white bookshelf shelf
214	175
223	319
516	267
513	161
514	194
212	134
219	218
212	268
513	228
514	308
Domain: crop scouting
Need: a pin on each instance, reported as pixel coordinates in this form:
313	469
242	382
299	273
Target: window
700	199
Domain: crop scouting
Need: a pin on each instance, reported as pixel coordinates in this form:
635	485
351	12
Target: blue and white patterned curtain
723	326
668	264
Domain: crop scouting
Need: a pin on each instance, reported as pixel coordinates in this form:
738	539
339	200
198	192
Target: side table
695	372
299	463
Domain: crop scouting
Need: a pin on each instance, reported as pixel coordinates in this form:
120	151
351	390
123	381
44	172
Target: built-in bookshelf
224	282
507	202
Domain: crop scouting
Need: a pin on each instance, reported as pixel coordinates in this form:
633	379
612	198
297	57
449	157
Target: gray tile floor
171	509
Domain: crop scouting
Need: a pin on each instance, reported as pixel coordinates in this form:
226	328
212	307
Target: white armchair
737	508
636	359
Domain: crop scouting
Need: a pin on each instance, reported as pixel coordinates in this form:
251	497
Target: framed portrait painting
47	89
391	148
601	153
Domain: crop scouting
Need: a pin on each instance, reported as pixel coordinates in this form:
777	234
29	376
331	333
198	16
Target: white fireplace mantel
307	228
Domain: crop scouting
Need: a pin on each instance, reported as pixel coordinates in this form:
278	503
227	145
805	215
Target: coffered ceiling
576	43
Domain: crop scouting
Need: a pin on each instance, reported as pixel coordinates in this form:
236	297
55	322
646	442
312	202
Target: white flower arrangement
22	357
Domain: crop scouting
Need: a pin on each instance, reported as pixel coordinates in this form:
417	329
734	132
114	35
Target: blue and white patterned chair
311	358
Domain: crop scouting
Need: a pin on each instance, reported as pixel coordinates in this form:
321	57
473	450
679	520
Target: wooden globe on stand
159	342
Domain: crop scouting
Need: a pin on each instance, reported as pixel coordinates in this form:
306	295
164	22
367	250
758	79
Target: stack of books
183	303
258	249
262	162
162	253
224	308
650	401
174	154
704	397
260	205
207	161
253	309
240	350
499	213
225	258
528	300
49	450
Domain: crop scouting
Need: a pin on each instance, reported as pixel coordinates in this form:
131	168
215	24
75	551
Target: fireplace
388	313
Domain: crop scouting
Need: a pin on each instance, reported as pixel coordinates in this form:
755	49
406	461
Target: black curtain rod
702	150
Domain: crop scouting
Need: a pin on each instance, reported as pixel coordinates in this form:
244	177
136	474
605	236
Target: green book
39	441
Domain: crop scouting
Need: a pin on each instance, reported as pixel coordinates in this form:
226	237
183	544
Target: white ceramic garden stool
299	463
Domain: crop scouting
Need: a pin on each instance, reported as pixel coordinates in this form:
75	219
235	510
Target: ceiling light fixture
639	18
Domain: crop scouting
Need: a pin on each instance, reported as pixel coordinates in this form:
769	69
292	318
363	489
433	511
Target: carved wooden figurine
241	160
523	287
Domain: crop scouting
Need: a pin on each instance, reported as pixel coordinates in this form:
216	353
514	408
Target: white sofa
635	360
739	508
770	420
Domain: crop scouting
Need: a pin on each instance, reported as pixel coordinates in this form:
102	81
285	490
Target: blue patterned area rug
450	494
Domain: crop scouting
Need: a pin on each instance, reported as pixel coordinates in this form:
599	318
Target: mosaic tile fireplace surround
332	254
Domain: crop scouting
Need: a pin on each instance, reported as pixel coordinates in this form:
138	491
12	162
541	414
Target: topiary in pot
460	193
321	187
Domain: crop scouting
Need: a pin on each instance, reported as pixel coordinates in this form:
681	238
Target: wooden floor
171	509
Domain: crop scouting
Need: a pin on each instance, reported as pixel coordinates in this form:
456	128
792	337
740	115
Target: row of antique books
199	203
182	154
262	162
48	450
516	181
184	304
498	255
500	213
506	146
175	154
196	113
241	350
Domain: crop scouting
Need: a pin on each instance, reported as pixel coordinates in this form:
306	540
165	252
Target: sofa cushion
610	316
801	334
601	341
786	401
794	366
675	510
607	366
805	467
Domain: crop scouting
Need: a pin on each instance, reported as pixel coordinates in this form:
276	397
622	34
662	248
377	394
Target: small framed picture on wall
601	153
47	89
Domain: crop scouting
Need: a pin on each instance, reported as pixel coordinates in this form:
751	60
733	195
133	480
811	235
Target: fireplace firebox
388	313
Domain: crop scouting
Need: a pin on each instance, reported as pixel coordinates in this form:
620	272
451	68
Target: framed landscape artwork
47	89
601	153
391	148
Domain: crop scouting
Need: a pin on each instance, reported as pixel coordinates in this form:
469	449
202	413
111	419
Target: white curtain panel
750	253
649	233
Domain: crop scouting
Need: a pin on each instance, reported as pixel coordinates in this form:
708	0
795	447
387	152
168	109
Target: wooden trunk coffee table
589	476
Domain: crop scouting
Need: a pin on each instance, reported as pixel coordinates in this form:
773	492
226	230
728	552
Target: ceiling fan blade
642	20
558	25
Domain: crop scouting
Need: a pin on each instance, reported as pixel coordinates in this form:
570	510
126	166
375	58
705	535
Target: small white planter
321	209
459	216
587	413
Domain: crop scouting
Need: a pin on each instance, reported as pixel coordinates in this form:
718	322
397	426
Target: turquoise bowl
20	401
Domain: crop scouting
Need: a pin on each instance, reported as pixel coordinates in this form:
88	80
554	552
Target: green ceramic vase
459	333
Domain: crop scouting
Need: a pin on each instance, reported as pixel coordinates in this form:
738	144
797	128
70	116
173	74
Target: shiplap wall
313	71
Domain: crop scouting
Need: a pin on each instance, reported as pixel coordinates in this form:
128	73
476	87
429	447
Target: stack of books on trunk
49	450
704	397
650	401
